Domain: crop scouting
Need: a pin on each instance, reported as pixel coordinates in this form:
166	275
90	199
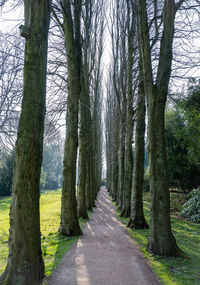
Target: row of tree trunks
90	108
120	140
161	240
25	263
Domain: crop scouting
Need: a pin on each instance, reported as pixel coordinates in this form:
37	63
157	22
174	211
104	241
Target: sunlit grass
54	245
173	271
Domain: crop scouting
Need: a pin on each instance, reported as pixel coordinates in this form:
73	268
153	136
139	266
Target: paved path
105	254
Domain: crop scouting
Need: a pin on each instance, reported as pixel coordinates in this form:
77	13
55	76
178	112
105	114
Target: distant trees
51	174
90	136
6	171
120	110
11	77
182	137
52	165
82	26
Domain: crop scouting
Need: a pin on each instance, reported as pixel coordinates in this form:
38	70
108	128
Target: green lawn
176	271
54	245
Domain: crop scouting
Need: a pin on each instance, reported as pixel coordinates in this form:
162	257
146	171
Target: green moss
54	245
175	271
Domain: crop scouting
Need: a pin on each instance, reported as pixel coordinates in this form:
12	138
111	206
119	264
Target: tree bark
25	264
69	224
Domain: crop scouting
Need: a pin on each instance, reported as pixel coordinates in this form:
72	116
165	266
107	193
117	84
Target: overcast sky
10	18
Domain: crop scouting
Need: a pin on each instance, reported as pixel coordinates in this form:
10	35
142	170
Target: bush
191	209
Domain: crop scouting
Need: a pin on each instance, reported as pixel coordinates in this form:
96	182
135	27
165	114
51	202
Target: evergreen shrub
191	209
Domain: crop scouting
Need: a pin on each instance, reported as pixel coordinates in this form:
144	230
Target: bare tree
11	78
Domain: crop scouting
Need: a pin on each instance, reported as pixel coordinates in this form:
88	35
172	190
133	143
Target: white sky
11	18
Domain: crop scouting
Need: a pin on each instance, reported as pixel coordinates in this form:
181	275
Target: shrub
191	209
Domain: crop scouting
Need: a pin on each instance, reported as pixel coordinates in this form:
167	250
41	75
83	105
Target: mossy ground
54	245
173	271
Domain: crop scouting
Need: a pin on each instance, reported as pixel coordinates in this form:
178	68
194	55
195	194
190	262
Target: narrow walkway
105	254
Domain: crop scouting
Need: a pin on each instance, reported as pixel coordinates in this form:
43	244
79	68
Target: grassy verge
173	271
54	245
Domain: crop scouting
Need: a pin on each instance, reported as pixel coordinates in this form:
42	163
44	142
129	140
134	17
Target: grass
54	245
173	271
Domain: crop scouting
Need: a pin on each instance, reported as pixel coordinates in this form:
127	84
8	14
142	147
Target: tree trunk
69	224
129	117
122	155
161	240
82	207
25	264
115	166
137	220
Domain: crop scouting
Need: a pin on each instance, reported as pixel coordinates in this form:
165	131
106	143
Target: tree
69	224
161	240
25	264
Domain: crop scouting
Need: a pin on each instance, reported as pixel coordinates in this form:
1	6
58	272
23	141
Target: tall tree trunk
161	239
130	114
122	156
82	206
69	224
137	220
109	132
25	264
115	165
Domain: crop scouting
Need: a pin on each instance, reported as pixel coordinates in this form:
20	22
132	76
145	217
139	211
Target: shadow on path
105	254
